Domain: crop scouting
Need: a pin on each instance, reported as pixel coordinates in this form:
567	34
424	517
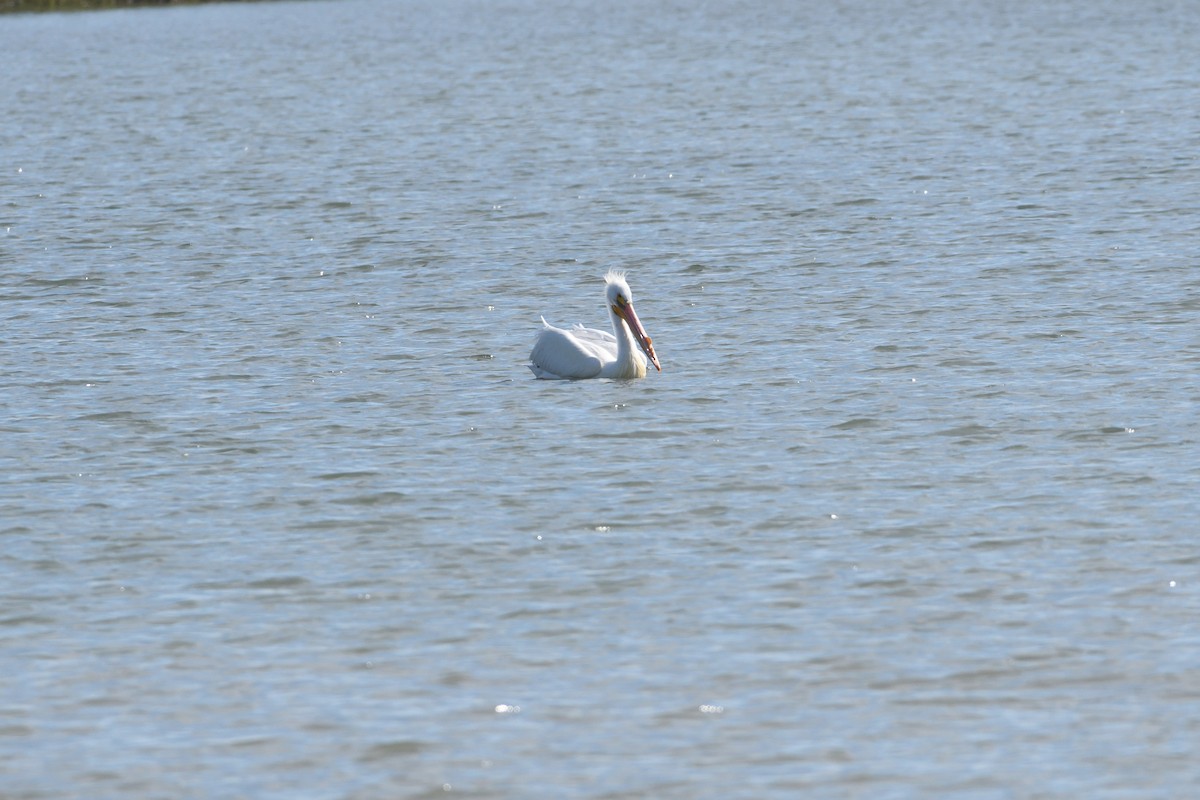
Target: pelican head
620	303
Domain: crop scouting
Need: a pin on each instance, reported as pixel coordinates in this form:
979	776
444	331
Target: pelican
588	353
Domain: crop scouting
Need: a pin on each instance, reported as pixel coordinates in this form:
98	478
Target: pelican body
588	353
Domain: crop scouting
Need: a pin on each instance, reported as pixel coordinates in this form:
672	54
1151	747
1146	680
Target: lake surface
911	510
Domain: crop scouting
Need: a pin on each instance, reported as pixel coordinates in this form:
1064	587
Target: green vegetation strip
87	5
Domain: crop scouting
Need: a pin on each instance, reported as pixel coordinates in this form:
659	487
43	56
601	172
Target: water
909	512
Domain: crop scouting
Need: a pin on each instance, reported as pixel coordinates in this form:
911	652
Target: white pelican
588	353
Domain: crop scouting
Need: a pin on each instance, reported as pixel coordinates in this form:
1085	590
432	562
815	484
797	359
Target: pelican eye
621	301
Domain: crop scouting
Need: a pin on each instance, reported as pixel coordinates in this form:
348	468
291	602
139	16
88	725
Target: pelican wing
577	353
603	338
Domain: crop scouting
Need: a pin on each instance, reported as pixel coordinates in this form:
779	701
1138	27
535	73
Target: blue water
909	511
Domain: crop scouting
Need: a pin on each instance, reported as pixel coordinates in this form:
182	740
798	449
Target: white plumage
588	353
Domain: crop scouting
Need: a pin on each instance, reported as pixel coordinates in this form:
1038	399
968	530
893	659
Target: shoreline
43	6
